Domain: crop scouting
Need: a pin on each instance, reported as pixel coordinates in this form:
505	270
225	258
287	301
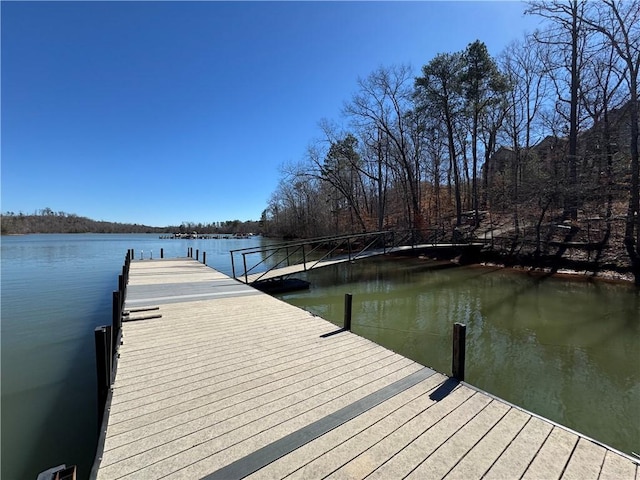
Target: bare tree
618	23
522	66
566	33
383	100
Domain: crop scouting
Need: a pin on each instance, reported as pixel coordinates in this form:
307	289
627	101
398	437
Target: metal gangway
287	258
279	260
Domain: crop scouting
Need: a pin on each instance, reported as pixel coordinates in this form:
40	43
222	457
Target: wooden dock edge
555	424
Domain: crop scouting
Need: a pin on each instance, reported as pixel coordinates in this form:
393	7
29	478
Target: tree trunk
571	205
632	227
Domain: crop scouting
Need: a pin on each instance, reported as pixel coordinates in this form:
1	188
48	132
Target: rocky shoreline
542	265
611	276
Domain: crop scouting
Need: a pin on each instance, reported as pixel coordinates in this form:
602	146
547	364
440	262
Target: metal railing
311	252
308	253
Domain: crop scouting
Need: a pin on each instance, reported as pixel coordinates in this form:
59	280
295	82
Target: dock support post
197	254
116	321
204	257
162	253
304	259
102	337
233	265
348	302
458	360
246	276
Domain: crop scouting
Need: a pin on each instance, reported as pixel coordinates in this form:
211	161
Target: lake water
564	349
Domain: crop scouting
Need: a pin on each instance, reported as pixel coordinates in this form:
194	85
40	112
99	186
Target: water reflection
567	350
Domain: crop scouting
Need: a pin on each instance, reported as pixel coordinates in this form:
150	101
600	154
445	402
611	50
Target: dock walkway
232	383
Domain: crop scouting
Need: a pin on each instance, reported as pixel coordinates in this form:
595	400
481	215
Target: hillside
60	222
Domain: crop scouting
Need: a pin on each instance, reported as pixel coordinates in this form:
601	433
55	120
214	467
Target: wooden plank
379	448
616	467
483	455
342	445
448	454
285	445
552	458
513	461
238	398
429	438
214	371
302	367
585	462
195	456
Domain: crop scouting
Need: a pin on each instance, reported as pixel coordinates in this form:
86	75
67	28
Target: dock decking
232	383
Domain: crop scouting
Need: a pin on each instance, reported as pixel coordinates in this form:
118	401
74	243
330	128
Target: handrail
291	249
294	247
309	241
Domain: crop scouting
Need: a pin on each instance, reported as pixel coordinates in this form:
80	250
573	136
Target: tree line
543	135
47	220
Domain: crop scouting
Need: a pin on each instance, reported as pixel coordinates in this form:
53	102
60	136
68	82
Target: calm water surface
566	350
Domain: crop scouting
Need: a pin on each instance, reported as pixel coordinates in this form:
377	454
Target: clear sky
163	112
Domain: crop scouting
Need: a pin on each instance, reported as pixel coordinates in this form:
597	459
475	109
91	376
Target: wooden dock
227	382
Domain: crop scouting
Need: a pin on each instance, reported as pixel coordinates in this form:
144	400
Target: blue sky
163	112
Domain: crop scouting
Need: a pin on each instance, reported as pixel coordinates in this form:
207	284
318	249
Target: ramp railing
308	253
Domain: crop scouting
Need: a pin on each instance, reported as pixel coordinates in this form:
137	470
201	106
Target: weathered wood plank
338	447
518	455
301	437
447	455
552	458
237	399
482	456
585	462
429	438
617	467
197	455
